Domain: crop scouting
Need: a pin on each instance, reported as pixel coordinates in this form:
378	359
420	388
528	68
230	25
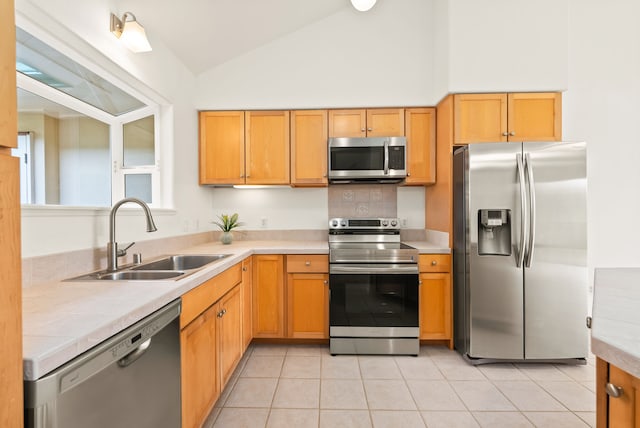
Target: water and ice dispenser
494	232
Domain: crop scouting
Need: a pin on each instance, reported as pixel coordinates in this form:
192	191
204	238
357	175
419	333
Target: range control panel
383	223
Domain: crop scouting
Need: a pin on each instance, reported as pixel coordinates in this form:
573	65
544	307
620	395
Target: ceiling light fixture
363	5
130	32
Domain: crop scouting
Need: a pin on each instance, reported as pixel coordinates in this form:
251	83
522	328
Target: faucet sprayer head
151	226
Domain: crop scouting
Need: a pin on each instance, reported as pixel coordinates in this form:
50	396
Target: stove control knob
334	223
385	223
343	223
394	223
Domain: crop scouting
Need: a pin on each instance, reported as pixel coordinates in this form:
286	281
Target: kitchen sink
171	267
132	275
181	262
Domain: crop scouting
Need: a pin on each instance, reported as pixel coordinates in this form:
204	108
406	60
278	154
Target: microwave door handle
386	157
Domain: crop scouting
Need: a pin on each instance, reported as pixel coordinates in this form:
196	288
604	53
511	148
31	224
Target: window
84	140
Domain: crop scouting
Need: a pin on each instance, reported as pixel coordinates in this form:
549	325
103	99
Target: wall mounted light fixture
130	32
363	5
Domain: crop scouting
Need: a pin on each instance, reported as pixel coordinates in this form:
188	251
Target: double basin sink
171	267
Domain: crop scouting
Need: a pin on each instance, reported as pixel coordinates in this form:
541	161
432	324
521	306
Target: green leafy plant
228	222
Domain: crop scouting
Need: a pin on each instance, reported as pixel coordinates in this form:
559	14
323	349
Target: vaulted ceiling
206	33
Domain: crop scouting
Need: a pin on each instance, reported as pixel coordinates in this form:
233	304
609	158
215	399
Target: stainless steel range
373	280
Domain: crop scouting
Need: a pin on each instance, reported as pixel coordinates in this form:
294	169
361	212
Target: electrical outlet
264	222
403	222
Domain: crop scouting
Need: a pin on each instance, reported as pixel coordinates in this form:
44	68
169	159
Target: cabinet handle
433	262
408	174
241	175
505	134
307	263
326	282
220	314
614	391
244	268
512	133
420	282
362	130
369	129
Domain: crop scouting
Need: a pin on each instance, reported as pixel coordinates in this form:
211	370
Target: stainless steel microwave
376	159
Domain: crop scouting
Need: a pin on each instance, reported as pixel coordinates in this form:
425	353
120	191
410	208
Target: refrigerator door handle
532	210
523	210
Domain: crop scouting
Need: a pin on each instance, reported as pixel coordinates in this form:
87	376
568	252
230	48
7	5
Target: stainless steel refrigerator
520	250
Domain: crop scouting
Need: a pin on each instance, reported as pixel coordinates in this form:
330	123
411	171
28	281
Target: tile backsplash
363	200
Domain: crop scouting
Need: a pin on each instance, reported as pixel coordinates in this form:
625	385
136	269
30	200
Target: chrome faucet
112	247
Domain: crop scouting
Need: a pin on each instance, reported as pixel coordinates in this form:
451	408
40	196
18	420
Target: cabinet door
308	305
421	145
309	130
268	296
230	333
221	147
8	114
347	123
535	117
435	306
624	411
11	410
267	145
247	297
200	388
385	122
480	118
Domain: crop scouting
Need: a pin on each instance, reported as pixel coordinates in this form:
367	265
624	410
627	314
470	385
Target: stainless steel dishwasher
130	380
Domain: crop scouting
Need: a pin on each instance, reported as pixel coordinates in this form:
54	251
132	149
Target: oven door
373	300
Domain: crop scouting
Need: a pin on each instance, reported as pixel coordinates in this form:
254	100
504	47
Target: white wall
601	107
380	58
507	45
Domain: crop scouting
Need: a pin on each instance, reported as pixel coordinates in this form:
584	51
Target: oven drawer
308	263
435	263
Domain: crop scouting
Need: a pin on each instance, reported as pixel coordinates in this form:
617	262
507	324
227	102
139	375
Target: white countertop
615	328
61	320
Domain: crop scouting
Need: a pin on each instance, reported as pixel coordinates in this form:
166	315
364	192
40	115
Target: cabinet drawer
314	263
435	263
196	301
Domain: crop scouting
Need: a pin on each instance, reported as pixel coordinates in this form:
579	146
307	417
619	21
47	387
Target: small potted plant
227	223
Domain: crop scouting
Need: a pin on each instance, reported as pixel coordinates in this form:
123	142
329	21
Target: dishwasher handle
132	356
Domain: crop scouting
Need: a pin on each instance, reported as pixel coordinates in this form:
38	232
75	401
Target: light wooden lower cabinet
308	296
435	297
200	386
268	296
247	303
620	408
211	342
230	333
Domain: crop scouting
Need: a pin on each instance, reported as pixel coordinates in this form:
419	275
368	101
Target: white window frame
115	123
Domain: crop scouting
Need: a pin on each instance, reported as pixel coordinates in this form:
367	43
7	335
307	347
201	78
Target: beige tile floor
298	386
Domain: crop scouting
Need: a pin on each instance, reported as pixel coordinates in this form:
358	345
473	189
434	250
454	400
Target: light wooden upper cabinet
380	122
267	147
309	129
480	118
507	117
420	128
238	147
222	147
535	116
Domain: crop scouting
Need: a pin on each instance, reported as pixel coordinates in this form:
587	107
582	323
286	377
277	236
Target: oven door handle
359	269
